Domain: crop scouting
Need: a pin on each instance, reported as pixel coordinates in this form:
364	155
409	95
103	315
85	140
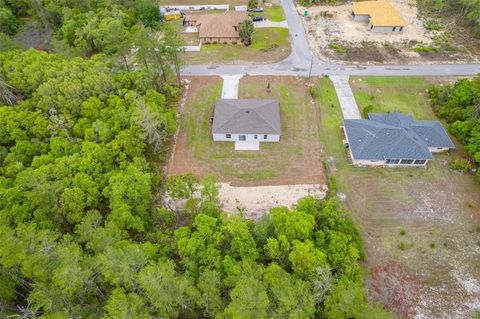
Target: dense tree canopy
84	235
85	231
459	105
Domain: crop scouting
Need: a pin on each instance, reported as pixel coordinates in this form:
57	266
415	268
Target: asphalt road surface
302	62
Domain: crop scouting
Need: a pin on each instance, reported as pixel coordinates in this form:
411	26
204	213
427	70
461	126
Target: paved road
298	63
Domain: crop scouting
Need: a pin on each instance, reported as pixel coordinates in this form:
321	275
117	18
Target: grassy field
435	209
268	45
273	13
296	159
389	94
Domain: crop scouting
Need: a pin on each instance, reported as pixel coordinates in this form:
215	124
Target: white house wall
361	17
248	137
437	149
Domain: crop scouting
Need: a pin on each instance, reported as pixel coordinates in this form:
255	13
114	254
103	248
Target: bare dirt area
437	211
254	201
333	35
296	159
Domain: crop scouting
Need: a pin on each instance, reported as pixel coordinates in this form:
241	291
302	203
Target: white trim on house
385	162
248	137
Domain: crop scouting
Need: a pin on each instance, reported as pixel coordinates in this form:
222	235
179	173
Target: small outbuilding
379	14
394	139
247	122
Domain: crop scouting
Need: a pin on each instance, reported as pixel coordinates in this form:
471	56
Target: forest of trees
85	127
459	105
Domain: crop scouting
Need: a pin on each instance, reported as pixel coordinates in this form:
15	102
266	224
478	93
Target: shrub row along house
217	27
246	122
394	139
380	15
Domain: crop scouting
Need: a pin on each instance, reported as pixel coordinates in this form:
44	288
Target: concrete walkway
345	97
247	146
271	24
230	86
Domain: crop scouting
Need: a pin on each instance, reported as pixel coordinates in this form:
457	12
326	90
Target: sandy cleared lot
327	25
255	201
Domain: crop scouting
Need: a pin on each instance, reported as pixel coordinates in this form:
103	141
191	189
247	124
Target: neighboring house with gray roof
394	139
248	120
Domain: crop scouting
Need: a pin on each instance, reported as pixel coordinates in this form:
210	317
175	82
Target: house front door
242	137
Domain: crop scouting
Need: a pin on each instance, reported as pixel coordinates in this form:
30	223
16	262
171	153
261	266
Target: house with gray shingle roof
247	120
394	139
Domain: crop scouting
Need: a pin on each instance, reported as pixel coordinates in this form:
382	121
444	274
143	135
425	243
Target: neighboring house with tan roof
380	14
217	27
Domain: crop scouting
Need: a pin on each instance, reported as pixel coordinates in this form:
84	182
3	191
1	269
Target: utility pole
310	72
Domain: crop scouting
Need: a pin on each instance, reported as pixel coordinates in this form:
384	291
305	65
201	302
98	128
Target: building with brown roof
217	27
380	14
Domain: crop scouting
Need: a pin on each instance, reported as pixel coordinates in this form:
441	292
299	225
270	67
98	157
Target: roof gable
248	116
219	25
394	136
381	13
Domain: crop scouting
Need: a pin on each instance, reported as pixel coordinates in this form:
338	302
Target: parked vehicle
256	10
257	19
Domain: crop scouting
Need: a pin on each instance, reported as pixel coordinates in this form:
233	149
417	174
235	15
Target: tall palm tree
6	93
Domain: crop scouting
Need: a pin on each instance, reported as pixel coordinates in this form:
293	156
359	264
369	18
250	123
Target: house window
371	27
265	137
406	162
401	28
229	136
394	29
420	162
242	138
255	136
391	161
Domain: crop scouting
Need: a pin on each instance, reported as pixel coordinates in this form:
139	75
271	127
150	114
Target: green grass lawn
268	45
273	13
389	94
287	160
433	205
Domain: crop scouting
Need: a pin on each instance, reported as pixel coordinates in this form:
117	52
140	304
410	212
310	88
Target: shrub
432	245
392	287
461	165
402	232
8	22
368	109
402	246
337	47
422	48
313	91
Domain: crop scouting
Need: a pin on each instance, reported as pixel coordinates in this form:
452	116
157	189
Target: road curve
301	59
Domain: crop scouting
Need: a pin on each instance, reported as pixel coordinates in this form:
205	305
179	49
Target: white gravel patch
255	201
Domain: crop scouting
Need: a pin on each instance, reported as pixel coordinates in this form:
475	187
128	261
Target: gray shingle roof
249	116
431	132
394	136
